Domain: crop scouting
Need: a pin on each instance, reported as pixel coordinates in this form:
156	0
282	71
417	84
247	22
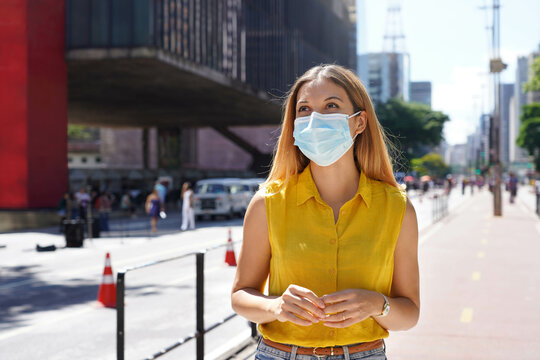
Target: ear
360	123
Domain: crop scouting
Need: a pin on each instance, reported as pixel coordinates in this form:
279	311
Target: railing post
200	305
253	329
120	289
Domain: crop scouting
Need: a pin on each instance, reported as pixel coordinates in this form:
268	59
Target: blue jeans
266	352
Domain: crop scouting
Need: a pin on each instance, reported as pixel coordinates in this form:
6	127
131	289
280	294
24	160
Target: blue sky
449	45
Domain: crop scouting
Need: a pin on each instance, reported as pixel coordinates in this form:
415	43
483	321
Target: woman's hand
348	307
299	306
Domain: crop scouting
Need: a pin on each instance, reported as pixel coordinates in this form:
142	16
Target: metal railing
440	206
200	329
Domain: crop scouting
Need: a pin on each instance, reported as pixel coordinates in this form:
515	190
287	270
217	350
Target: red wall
33	103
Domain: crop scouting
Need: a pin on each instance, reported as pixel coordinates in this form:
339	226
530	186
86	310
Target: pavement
480	285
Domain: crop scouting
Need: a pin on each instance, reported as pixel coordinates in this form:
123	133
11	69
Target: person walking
512	187
103	206
153	207
188	215
331	229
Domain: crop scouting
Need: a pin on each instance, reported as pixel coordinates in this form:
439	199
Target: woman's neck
338	182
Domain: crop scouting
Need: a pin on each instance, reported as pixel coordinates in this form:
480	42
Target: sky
449	45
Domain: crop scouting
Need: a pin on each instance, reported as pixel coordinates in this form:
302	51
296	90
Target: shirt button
332	271
331	333
332	241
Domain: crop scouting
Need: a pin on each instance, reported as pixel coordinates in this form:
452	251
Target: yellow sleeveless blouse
310	250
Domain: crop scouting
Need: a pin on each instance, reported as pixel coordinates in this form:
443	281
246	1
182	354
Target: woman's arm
247	296
354	305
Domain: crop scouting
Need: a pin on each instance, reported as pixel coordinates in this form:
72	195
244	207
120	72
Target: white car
221	197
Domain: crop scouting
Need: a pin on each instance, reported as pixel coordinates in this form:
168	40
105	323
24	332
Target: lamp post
496	66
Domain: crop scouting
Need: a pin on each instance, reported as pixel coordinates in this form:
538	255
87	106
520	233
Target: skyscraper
421	92
385	75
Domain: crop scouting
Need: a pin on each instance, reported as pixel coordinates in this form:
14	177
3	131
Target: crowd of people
83	204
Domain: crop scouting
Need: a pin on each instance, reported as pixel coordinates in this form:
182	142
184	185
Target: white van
221	197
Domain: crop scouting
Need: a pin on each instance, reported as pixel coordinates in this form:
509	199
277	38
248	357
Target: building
456	158
385	75
133	157
518	157
506	93
421	92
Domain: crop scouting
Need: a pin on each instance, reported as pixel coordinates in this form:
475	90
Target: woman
188	217
153	207
331	230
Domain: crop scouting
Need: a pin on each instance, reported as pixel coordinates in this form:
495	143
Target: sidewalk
480	286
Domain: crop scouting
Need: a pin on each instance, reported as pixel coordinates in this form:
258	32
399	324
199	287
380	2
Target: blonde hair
370	147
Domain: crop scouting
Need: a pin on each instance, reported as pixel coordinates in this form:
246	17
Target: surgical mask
323	138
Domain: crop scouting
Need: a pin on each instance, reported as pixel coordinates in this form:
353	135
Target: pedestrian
512	187
103	205
64	210
83	201
188	215
331	228
153	207
127	205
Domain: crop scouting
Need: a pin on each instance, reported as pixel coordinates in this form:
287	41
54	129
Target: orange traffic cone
107	289
230	259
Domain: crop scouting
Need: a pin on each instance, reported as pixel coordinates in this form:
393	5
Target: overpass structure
147	63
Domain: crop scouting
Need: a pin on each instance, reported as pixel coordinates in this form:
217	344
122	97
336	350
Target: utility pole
496	66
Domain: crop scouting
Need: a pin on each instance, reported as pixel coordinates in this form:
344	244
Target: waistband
326	351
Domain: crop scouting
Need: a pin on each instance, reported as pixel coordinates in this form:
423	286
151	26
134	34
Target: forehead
321	89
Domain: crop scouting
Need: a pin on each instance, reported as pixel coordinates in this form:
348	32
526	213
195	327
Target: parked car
225	197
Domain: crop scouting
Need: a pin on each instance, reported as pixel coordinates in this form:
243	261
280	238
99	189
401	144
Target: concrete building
385	75
421	92
456	158
518	157
506	93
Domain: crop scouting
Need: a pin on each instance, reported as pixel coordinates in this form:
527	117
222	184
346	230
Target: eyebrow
328	98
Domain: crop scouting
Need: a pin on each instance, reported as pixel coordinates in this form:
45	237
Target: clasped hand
341	309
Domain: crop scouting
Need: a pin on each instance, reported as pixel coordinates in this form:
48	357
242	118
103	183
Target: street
48	307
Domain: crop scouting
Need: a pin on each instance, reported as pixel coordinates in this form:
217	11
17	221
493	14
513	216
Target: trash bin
74	233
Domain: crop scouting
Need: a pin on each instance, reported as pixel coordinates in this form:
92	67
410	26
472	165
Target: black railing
439	206
200	329
265	44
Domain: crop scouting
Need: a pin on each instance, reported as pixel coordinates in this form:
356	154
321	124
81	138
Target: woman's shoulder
382	188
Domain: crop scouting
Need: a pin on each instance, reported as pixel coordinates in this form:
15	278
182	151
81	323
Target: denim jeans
266	352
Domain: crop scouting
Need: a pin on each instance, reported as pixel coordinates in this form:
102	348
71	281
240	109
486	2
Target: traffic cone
230	259
107	289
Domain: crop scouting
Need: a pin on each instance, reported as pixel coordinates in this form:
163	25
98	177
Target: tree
534	83
414	126
81	132
529	132
430	164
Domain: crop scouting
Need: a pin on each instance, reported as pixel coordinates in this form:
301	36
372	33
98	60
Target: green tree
430	164
534	83
529	132
415	127
81	132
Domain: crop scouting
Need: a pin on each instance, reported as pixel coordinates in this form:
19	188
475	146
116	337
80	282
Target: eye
302	109
332	106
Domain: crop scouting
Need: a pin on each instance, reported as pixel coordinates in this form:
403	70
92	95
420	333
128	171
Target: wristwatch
386	307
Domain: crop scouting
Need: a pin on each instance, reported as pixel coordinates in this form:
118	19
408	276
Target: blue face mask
323	138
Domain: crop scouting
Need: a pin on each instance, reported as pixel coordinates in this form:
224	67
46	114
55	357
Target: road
48	307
